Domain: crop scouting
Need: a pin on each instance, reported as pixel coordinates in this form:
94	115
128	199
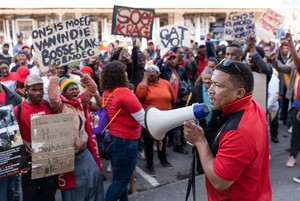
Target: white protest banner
173	36
260	89
12	151
64	42
239	26
52	139
268	24
136	22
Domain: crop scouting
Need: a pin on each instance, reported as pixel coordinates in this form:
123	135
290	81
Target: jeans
43	189
123	159
7	188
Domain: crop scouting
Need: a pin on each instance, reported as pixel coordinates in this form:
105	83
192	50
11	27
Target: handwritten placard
12	151
173	36
53	145
64	42
239	26
136	22
268	24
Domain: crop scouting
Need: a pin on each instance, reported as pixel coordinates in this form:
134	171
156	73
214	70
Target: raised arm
293	51
53	94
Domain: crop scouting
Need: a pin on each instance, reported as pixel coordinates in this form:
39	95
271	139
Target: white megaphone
158	122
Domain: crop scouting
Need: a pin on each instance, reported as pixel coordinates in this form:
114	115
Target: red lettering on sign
123	15
119	29
133	22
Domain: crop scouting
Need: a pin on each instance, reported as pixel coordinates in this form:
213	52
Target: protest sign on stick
52	139
135	22
268	24
173	36
64	42
12	151
239	26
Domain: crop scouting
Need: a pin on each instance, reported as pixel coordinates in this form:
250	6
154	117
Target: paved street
170	184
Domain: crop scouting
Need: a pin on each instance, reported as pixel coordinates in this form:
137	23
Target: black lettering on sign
174	37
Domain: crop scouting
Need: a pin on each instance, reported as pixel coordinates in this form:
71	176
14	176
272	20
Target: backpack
100	118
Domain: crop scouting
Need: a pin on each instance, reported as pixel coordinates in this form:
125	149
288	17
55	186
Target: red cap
87	70
22	74
284	44
25	46
171	55
150	42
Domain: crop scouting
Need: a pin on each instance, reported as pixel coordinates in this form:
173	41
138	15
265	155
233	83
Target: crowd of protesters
130	82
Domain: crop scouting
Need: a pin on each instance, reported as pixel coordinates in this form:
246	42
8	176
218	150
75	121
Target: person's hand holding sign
52	69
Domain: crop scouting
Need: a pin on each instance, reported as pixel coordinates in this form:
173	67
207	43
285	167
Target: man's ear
240	93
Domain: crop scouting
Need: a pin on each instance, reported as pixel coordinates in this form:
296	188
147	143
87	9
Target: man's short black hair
221	50
213	59
4	62
236	45
243	77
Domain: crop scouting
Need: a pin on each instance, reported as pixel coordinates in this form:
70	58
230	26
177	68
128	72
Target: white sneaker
290	130
297	179
141	155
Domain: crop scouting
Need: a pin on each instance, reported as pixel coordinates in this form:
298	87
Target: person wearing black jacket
175	74
211	123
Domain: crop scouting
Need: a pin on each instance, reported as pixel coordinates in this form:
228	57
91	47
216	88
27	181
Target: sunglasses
228	62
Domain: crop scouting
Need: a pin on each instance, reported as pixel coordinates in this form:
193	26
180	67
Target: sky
274	4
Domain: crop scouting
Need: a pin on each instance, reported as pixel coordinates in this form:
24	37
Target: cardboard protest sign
64	42
239	26
52	139
171	36
136	22
268	24
260	89
12	151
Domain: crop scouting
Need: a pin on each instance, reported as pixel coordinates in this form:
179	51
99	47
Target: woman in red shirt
128	115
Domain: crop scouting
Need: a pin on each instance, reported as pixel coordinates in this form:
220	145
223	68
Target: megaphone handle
190	144
192	122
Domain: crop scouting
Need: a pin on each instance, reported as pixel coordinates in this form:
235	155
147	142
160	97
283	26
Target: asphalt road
171	184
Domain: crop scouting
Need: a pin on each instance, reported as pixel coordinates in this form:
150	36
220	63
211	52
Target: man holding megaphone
237	168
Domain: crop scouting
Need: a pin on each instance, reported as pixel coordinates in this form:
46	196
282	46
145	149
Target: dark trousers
7	188
149	141
284	107
43	189
295	140
274	126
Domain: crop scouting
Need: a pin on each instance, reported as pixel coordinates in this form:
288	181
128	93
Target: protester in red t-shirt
237	168
43	188
125	129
